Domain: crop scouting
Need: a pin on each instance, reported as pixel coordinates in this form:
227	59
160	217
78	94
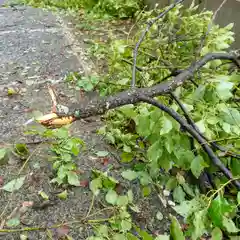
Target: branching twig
132	96
215	160
149	25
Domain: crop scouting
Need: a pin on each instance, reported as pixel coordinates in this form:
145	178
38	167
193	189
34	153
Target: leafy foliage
144	133
82	83
94	8
14	184
65	148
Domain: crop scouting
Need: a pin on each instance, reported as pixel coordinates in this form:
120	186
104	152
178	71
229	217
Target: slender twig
53	96
91	206
236	99
215	160
130	63
204	37
191	122
149	25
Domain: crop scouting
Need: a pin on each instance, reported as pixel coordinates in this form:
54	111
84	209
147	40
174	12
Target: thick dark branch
132	96
215	160
204	178
149	25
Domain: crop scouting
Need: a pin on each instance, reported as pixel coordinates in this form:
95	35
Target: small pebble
171	203
166	193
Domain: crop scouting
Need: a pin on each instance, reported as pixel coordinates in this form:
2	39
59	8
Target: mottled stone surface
36	47
33	51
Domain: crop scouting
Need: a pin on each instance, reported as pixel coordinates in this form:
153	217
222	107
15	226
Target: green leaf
128	110
229	225
109	182
62	172
169	144
167	126
144	234
111	197
179	194
200	219
218	208
129	175
175	229
130	196
212	120
184	158
229	115
154	152
143	125
102	231
234	238
95	238
171	183
198	165
126	225
43	195
127	149
130	236
226	127
63	195
3	152
146	191
13	222
217	234
61	133
21	149
199	92
235	166
95	185
145	179
102	153
75	149
238	197
56	164
13	185
73	178
188	189
122	201
118	236
162	237
126	157
224	90
201	126
187	208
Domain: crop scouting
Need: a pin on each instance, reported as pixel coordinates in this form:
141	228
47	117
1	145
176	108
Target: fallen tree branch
132	96
215	160
149	25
